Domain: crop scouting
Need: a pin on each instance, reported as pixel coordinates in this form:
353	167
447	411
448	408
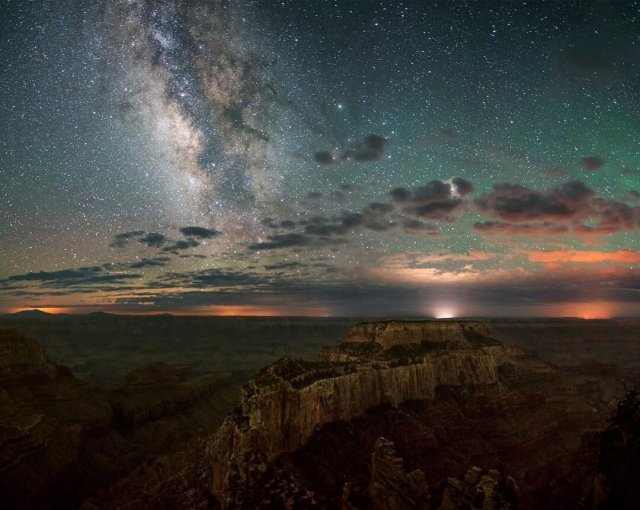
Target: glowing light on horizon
46	309
445	312
593	310
259	311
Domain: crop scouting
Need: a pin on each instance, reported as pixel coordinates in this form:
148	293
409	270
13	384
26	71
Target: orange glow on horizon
54	310
582	257
252	311
231	311
594	310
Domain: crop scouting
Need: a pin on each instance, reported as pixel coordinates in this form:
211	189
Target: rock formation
391	486
469	423
447	393
21	357
286	402
437	334
62	439
616	484
478	491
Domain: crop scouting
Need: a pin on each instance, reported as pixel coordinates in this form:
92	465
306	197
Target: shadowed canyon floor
403	414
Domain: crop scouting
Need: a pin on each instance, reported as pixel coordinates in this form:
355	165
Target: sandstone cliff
391	486
446	394
443	334
285	403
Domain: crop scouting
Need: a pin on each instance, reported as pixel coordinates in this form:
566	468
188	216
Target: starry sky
346	157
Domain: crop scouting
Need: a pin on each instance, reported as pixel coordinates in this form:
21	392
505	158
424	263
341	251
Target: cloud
157	240
314	195
349	187
201	232
571	208
390	291
413	226
373	216
181	245
591	163
514	202
556	171
325	158
544	228
436	199
441	135
370	148
282	265
448	134
208	278
63	274
277	241
287	224
121	240
153	240
632	195
582	256
612	217
138	264
318	231
276	225
89	276
155	262
598	53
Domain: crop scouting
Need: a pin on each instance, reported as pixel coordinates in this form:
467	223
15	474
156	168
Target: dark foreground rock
62	439
421	414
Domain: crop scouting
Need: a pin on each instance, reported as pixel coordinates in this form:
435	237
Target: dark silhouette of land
108	411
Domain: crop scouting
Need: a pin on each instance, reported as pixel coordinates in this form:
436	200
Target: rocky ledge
381	364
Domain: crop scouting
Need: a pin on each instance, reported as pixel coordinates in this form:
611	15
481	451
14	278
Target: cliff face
616	485
456	334
284	404
391	486
21	357
279	417
307	433
446	393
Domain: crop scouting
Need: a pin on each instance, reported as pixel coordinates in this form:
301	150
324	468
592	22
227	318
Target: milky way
321	157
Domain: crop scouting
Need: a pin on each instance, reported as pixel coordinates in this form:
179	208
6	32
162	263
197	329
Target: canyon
446	393
402	414
62	439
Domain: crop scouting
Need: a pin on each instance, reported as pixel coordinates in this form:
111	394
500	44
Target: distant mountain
98	313
32	314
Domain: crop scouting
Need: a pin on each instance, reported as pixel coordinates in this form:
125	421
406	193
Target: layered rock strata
285	403
391	486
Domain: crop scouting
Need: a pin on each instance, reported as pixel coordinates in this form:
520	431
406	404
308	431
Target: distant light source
444	312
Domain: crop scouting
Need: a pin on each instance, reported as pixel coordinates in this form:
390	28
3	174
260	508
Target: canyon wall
285	403
456	334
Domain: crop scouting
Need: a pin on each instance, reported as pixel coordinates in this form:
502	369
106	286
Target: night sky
449	158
